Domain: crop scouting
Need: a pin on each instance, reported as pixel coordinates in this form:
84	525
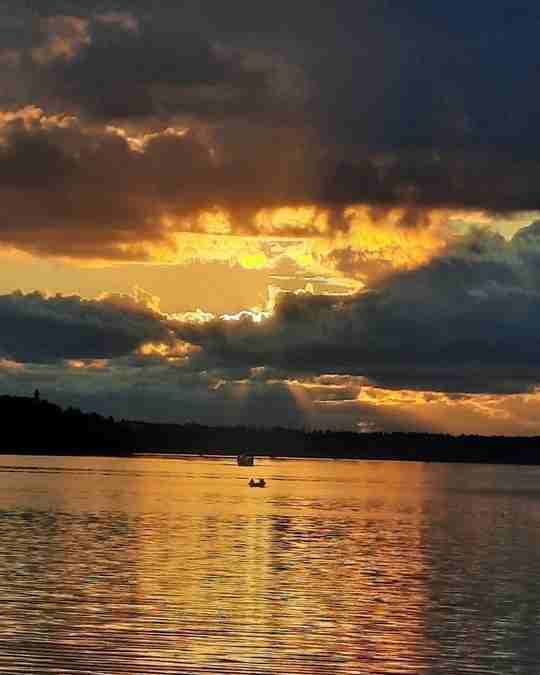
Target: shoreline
185	454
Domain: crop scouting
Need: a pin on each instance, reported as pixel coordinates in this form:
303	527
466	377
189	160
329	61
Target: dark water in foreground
150	566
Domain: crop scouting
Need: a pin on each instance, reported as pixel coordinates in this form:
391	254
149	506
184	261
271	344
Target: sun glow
178	349
138	142
456	413
360	246
250	314
377	245
87	364
303	220
9	365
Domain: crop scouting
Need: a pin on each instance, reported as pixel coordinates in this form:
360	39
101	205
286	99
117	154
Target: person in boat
257	483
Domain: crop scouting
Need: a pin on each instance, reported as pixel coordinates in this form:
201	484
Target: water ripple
159	566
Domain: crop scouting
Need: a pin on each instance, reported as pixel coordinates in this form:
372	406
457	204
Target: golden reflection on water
159	566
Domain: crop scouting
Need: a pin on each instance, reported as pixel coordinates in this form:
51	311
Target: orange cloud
87	364
64	37
147	195
505	414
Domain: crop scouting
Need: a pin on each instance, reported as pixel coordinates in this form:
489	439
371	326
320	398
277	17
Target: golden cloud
135	194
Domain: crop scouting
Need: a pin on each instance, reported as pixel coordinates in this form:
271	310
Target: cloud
336	139
465	321
111	193
158	390
166	392
116	66
463	177
394	112
150	124
47	329
61	38
456	354
97	193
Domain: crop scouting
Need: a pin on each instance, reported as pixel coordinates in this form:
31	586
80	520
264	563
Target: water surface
153	566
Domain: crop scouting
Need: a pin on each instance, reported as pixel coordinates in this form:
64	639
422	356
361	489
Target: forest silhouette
35	426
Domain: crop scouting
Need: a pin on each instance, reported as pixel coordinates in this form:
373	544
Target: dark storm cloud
88	192
69	190
117	66
388	74
467	321
36	328
460	178
429	104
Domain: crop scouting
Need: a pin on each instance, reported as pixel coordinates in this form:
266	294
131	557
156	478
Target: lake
157	565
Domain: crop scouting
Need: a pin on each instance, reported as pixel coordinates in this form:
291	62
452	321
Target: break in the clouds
466	321
456	336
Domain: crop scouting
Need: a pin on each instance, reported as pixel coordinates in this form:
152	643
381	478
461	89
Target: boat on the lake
257	483
245	460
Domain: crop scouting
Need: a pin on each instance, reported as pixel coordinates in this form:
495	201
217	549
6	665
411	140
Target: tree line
38	426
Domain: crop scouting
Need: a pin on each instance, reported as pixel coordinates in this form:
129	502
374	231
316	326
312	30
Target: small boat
245	460
257	483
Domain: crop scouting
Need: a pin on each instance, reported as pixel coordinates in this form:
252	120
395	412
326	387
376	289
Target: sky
318	215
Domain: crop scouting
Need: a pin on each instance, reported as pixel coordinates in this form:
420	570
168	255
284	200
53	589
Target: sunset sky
311	214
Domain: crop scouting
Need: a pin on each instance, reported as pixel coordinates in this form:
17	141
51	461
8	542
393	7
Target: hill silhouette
32	425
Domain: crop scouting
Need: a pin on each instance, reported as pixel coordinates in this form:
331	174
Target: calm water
150	566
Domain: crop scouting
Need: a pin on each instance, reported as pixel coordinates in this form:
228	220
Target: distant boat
257	483
245	460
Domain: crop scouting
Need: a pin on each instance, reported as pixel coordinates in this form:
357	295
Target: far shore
32	426
513	458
